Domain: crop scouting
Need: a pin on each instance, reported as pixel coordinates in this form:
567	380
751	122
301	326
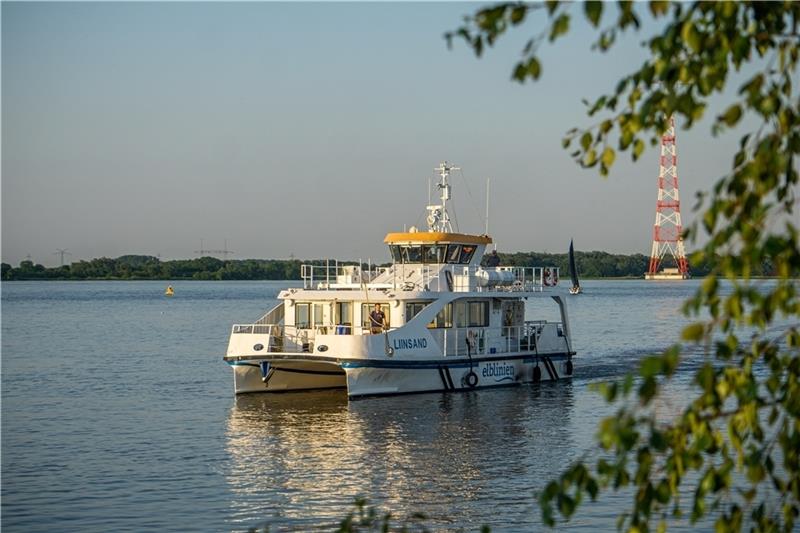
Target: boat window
466	254
344	317
460	312
444	319
302	316
413	309
412	254
453	253
397	257
366	309
479	314
433	253
318	315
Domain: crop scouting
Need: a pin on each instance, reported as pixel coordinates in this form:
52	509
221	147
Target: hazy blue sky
302	129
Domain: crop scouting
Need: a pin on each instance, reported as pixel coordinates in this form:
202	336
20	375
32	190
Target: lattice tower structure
667	228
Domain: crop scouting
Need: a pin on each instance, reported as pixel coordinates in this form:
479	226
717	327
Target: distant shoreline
591	265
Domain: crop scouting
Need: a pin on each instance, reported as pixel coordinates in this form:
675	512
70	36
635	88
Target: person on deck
493	260
377	320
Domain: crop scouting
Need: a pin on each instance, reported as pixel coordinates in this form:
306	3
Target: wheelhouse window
433	253
412	254
397	256
466	254
453	253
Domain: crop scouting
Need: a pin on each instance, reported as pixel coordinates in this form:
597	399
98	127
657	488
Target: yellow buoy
169	292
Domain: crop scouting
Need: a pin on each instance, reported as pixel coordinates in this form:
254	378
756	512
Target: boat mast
438	218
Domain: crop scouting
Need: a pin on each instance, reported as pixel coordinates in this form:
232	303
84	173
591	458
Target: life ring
546	276
537	374
471	379
555	278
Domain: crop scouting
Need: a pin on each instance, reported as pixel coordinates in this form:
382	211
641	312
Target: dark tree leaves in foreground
735	448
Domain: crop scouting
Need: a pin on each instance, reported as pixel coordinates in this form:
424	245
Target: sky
306	130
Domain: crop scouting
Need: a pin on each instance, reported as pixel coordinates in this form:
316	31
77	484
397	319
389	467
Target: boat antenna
438	218
486	232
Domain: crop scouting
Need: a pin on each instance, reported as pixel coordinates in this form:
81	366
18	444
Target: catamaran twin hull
369	378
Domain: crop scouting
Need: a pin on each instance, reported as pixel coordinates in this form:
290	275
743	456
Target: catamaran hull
251	376
377	378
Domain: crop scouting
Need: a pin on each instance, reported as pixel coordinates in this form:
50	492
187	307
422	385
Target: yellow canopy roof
436	237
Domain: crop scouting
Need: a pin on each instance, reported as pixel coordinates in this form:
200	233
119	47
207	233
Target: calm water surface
118	413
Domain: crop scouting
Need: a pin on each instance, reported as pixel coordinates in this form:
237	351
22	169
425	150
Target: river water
118	413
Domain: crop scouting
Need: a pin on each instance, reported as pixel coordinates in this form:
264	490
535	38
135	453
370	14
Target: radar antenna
438	218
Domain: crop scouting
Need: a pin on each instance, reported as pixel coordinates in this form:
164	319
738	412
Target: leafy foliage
740	434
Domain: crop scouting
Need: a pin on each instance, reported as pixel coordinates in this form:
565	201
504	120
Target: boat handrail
335	276
438	278
497	340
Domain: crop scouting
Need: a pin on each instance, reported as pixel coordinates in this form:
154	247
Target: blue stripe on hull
461	363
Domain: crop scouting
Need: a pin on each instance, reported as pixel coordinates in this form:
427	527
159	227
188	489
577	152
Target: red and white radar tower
667	229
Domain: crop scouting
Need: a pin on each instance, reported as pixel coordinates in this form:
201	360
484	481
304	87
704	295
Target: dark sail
573	273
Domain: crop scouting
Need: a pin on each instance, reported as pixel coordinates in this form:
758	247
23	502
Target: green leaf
692	36
658	7
534	68
638	148
593	10
732	115
693	332
590	159
651	366
518	14
586	141
608	157
560	26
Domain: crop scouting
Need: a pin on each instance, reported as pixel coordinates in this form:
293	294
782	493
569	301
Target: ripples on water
118	413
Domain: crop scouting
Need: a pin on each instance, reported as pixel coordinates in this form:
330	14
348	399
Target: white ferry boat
435	320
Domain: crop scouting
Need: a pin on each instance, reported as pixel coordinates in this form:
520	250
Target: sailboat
573	272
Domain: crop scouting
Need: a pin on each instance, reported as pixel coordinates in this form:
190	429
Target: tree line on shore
143	267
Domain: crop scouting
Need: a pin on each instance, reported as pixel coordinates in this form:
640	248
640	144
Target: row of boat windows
461	314
432	253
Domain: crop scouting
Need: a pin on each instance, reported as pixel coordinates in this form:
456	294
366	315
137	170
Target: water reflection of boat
573	272
434	320
311	454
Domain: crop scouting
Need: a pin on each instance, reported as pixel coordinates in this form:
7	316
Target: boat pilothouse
435	320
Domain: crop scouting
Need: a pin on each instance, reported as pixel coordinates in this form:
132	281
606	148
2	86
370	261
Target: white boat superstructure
448	323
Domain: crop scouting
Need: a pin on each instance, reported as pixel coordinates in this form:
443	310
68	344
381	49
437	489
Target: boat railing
431	277
459	342
281	338
332	275
462	278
